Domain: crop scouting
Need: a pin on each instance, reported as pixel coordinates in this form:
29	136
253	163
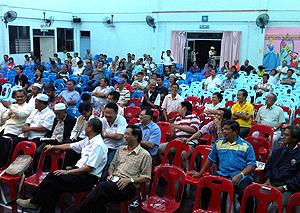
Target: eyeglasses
142	116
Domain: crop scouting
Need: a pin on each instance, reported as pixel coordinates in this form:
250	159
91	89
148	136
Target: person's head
140	76
224	114
60	110
160	80
104	82
210	67
216	98
229	75
88	51
290	72
185	108
273	72
11	60
168	52
265	78
100	64
19	70
117	58
85	110
5	57
64	69
35	89
80	64
213	73
89	64
236	61
55	55
195	64
173	68
39	71
270	99
26	57
233	69
230	129
49	90
133	135
172	79
20	96
75	55
174	89
246	62
167	70
93	127
261	68
111	112
67	62
284	62
146	116
113	97
242	95
125	77
41	101
151	85
154	76
70	85
291	135
226	63
86	98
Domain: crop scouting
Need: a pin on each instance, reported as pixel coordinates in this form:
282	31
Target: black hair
17	91
227	113
124	76
79	62
11	58
267	75
140	73
85	96
274	95
112	106
274	70
245	93
136	131
234	125
115	94
160	76
211	66
40	68
188	107
70	80
49	87
175	85
219	95
84	108
148	111
106	80
290	70
96	125
295	132
21	68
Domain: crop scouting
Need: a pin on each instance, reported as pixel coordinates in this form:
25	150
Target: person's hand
48	147
174	126
122	183
26	128
61	172
236	179
185	140
7	104
217	122
109	177
280	188
194	174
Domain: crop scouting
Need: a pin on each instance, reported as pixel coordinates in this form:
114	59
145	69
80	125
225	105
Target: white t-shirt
78	71
167	60
211	83
170	104
70	96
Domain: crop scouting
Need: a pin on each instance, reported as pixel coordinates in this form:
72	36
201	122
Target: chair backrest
293	202
297	113
57	159
179	147
135	101
206	100
261	147
172	115
5	91
296	121
217	185
264	131
194	100
155	115
24	148
165	128
202	150
264	195
131	112
205	119
172	175
134	121
289	112
229	103
256	108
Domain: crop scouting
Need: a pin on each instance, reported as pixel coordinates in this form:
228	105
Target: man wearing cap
124	93
39	121
35	90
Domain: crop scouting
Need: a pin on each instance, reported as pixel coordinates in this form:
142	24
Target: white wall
131	33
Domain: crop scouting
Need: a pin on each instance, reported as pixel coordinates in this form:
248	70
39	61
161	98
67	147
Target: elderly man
151	97
263	86
151	132
282	170
229	82
273	116
81	179
172	101
130	168
234	157
35	90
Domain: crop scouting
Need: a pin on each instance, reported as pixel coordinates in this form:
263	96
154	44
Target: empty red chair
134	121
288	111
155	115
57	158
206	100
131	112
256	108
293	202
198	110
202	150
217	185
229	104
264	195
135	101
296	121
297	113
170	202
194	100
165	128
24	148
261	147
264	131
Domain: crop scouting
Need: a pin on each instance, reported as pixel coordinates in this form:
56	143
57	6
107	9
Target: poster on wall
282	44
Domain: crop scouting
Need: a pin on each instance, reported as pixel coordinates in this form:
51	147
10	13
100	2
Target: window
65	39
19	39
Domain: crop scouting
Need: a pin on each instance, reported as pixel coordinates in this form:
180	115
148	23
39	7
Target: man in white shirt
35	90
172	101
283	69
167	58
79	69
139	83
101	92
212	81
80	179
114	127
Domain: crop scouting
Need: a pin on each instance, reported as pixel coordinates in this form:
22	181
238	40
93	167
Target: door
85	42
46	48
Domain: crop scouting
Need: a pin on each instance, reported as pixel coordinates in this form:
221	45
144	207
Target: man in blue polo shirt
151	132
234	156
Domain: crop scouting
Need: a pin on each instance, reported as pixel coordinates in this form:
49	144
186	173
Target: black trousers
105	192
47	194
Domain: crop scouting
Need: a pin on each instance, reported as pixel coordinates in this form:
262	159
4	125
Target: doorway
85	42
43	44
198	46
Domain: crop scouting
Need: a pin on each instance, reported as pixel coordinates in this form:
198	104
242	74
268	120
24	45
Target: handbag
16	168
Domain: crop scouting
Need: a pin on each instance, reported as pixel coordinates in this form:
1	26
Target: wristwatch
131	180
285	187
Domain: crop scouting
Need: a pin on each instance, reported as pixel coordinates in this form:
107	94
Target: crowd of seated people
100	145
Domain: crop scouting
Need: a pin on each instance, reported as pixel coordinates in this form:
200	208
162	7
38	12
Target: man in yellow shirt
242	112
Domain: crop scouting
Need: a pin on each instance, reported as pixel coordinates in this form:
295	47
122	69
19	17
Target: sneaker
134	204
26	204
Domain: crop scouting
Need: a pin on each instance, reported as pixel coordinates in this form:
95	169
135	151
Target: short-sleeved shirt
93	153
44	118
134	164
228	84
21	80
270	116
232	158
151	133
267	86
212	82
143	83
106	90
189	120
70	96
246	108
213	107
171	105
118	127
124	96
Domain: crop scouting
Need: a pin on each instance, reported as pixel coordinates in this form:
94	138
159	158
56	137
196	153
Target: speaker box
76	20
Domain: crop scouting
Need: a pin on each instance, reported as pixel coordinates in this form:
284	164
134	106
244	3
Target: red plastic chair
141	196
297	113
135	101
205	139
198	110
206	100
24	148
261	147
172	115
204	151
217	185
264	131
194	100
155	115
205	119
57	160
293	202
171	200
296	121
134	121
256	108
131	112
165	128
229	104
264	195
288	111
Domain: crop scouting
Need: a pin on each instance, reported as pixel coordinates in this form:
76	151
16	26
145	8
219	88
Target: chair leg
13	195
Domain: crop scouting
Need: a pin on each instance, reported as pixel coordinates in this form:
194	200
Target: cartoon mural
282	43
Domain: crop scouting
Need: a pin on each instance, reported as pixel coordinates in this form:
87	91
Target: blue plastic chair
285	102
5	91
137	94
11	91
73	111
59	84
